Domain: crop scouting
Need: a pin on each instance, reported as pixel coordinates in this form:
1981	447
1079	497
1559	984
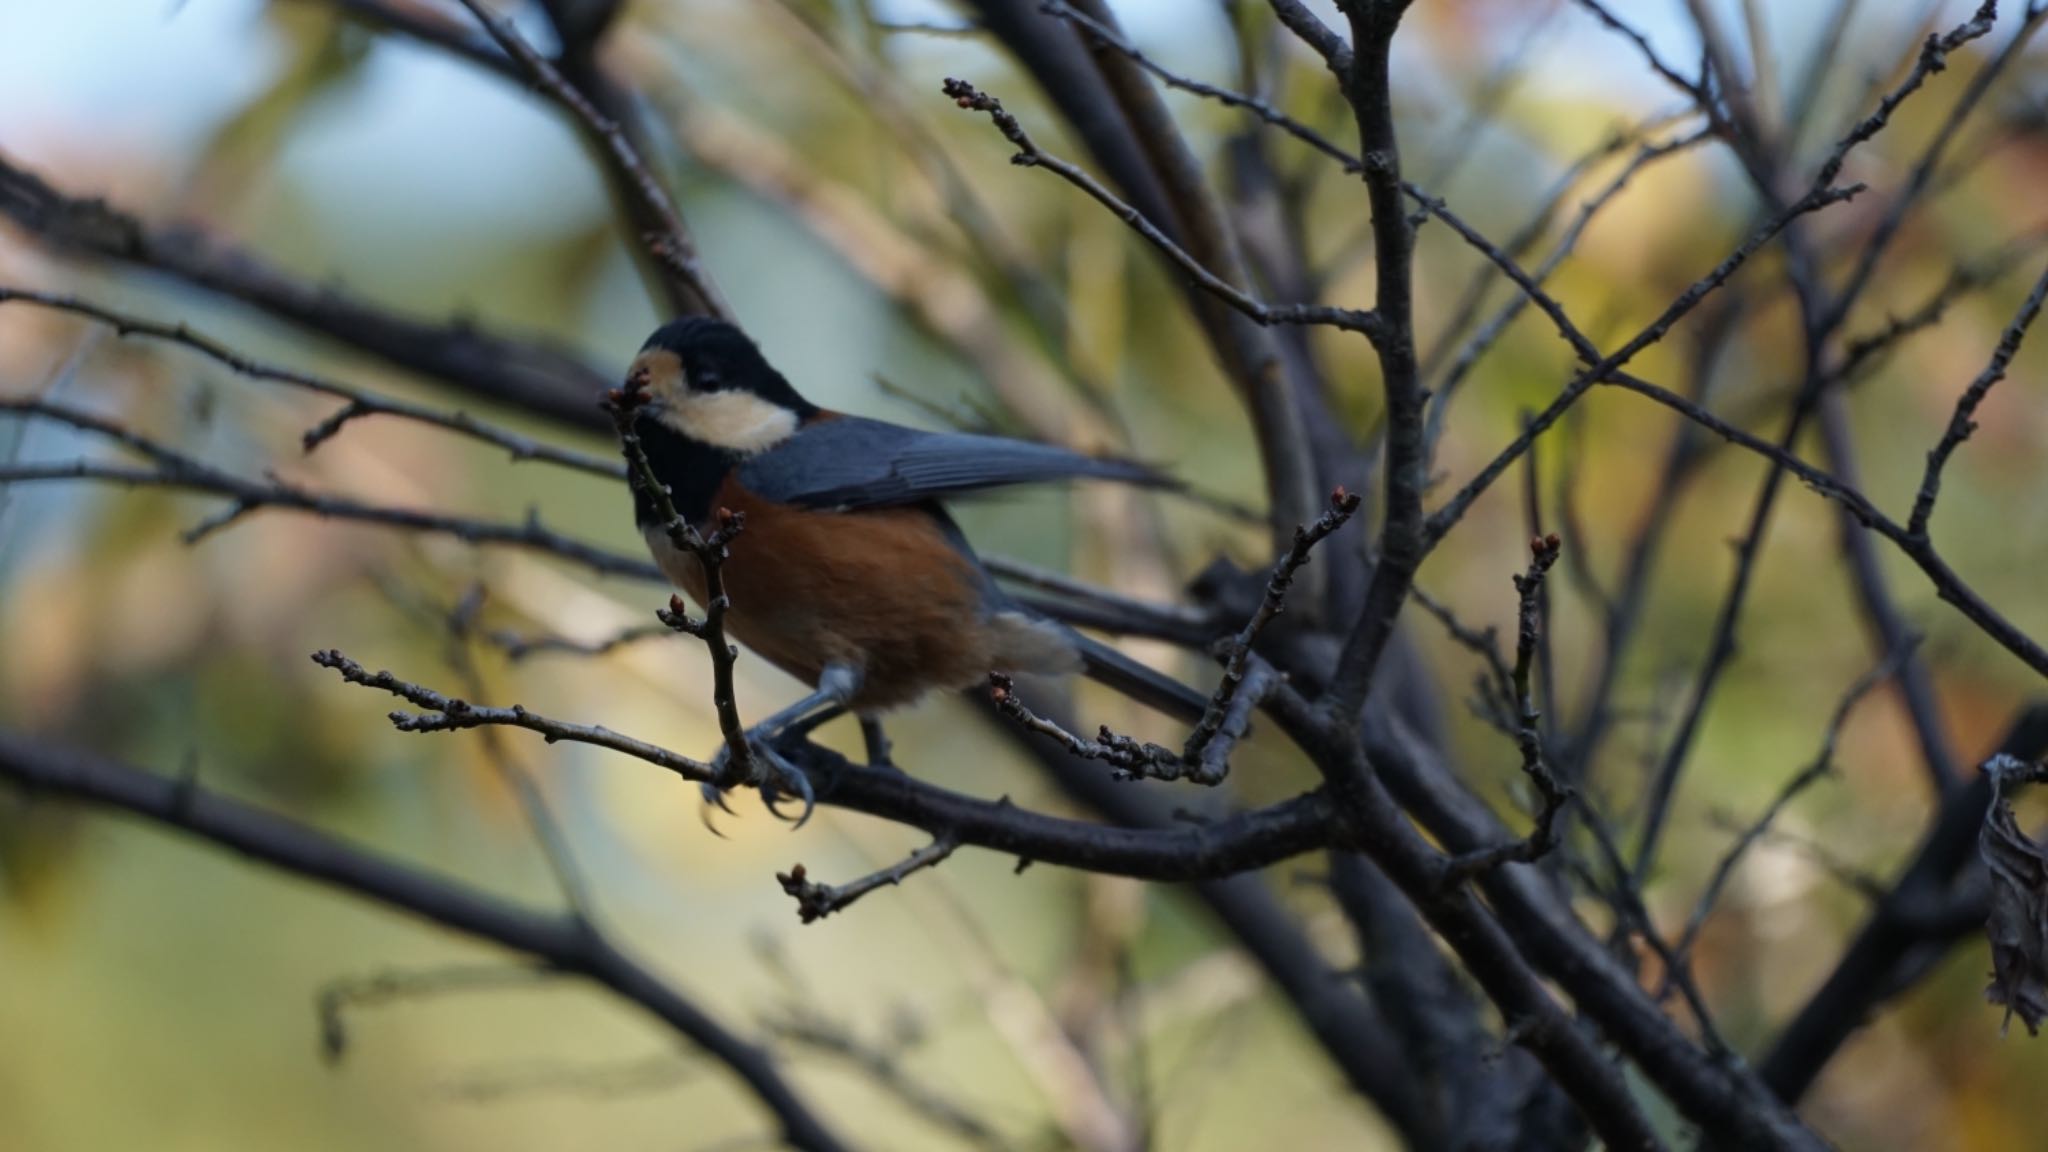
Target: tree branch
535	376
1234	844
359	404
671	244
175	470
561	942
1029	155
1963	422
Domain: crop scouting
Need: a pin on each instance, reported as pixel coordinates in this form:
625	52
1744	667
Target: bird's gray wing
851	462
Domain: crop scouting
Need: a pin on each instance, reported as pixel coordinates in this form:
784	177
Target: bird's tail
1154	689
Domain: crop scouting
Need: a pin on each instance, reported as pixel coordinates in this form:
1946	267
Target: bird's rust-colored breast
882	589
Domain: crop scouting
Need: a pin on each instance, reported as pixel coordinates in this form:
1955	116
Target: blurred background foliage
890	260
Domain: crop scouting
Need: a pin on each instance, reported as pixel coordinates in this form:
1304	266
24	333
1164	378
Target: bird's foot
771	773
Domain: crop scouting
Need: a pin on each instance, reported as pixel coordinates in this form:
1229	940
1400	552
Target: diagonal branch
359	404
1030	155
176	470
1238	652
1224	847
1963	422
624	406
560	942
1553	793
1822	764
815	901
538	377
671	244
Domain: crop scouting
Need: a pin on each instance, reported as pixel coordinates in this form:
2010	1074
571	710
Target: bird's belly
881	590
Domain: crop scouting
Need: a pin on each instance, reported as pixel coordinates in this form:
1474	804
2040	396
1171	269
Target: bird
849	574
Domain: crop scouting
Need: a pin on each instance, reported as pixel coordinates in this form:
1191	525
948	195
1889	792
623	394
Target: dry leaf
2018	926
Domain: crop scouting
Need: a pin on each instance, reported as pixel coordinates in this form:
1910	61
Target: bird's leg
803	728
877	741
773	773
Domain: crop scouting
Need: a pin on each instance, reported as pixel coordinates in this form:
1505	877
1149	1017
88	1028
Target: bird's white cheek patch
733	420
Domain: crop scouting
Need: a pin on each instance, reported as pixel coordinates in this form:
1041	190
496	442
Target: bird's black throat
692	471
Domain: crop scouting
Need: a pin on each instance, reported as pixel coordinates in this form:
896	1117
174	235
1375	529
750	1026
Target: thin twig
1491	332
518	647
443	713
1963	422
1543	554
1237	653
552	941
1029	155
538	377
1106	36
1820	766
1860	353
1132	758
1627	899
1933	58
360	403
812	1030
173	469
1495	682
624	405
1224	847
339	997
815	901
1602	368
672	246
1950	586
533	803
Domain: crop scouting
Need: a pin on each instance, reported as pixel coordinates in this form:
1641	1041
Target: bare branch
339	997
1602	368
1951	587
1220	848
1919	908
1554	794
528	374
1880	611
624	405
1933	58
1133	759
178	471
1489	333
360	403
815	901
562	943
519	647
1873	248
1238	653
1822	764
449	714
672	245
1101	33
1963	423
1316	34
812	1030
1029	155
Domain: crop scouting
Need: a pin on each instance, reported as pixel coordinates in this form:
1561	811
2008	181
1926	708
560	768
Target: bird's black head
710	383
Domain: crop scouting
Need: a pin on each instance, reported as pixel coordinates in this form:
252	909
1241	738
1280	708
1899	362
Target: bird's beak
638	379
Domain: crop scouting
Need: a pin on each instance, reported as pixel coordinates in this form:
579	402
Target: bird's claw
773	775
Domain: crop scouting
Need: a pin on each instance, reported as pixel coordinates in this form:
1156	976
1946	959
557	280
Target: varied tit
848	574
